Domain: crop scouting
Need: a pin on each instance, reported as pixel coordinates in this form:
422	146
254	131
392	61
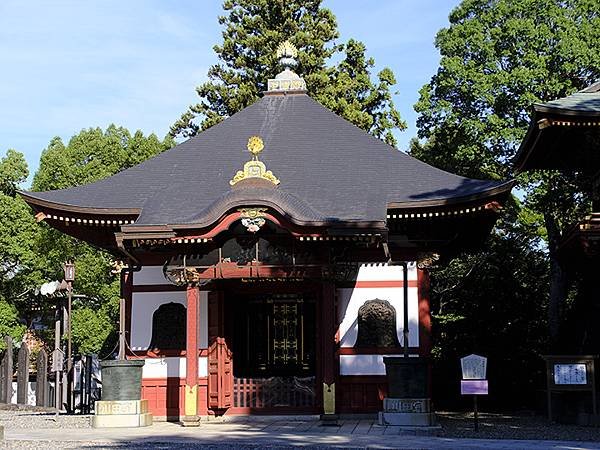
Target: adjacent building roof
563	134
330	172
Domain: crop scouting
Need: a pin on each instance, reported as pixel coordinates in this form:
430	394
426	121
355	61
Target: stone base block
407	419
406	405
121	413
109	407
191	421
329	420
122	420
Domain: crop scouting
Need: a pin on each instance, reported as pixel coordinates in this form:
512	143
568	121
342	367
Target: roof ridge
595	87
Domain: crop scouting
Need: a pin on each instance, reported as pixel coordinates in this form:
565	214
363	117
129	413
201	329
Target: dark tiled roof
330	171
585	102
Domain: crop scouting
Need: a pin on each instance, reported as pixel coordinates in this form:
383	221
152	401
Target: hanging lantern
69	269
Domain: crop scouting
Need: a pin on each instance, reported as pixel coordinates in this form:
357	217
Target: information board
473	367
566	374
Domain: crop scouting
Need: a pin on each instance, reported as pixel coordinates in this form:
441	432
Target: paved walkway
251	434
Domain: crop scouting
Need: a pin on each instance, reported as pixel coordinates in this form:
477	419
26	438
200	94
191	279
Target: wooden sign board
569	374
473	367
57	360
574	373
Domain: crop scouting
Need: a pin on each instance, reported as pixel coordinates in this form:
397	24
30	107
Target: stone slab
407	405
407	419
122	420
119	407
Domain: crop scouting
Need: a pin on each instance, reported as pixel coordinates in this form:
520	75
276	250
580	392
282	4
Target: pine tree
252	31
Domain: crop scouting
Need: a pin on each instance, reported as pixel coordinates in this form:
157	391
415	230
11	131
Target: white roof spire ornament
287	80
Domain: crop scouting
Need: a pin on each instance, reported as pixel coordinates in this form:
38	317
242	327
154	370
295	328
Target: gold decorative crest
287	50
255	145
253	218
254	168
252	213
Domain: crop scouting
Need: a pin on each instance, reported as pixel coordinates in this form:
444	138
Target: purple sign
474	387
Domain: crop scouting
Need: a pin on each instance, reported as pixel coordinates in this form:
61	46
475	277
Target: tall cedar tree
498	57
252	31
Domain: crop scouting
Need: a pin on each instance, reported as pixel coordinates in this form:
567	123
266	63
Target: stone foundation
121	413
411	412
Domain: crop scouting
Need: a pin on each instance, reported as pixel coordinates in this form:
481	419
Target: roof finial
287	54
287	80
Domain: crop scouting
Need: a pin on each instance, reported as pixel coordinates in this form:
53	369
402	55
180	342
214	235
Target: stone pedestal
121	413
121	404
410	412
408	403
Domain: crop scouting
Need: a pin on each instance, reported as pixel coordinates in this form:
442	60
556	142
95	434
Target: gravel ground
31	417
507	426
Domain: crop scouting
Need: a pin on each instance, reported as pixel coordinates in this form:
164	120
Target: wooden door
220	375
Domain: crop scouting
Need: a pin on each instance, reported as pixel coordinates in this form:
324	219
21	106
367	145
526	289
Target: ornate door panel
220	375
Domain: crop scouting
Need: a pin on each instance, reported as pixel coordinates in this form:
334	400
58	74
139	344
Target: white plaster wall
171	367
30	393
143	306
149	275
363	364
351	299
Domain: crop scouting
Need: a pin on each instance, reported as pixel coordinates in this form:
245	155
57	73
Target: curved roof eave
502	188
31	198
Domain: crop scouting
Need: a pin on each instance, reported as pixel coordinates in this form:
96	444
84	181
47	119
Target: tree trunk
558	280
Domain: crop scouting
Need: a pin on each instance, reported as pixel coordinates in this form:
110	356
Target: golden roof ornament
255	145
254	168
287	53
287	80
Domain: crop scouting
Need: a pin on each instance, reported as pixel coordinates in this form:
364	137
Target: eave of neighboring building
563	134
583	239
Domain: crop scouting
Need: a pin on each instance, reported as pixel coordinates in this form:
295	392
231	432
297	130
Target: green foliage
252	31
9	323
92	155
493	303
499	57
18	230
93	327
13	171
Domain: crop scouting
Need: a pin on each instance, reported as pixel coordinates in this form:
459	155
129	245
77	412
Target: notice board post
570	373
474	382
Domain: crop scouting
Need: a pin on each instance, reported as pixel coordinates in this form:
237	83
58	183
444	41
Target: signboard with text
473	367
570	374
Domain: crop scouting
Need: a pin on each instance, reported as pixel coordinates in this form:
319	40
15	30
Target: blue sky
66	65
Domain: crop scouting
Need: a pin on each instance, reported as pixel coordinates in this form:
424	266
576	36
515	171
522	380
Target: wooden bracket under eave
40	216
544	123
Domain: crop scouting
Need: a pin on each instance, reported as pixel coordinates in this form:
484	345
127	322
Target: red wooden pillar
191	356
425	341
424	313
327	346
